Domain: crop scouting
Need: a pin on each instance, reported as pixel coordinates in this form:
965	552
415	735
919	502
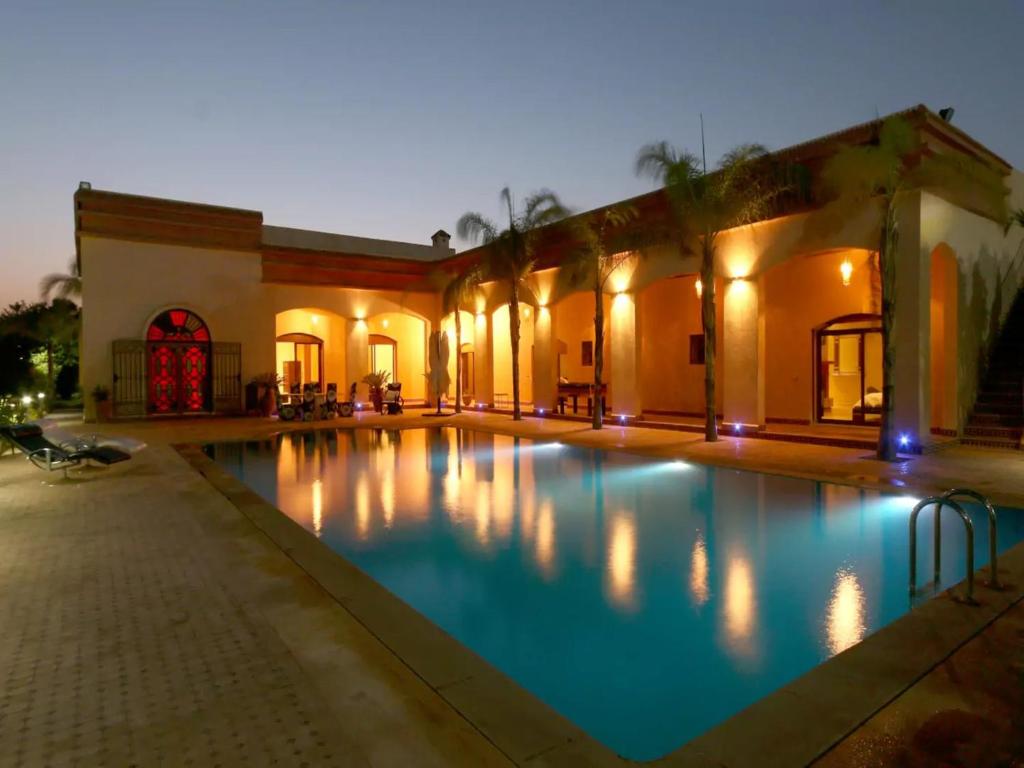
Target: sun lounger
29	439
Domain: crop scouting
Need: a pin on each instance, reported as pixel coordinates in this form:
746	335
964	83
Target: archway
310	347
502	355
178	364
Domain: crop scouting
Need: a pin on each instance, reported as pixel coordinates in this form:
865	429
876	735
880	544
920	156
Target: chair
29	439
285	411
346	407
308	402
393	400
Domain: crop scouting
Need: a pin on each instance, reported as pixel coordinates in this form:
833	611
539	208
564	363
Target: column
624	387
357	355
742	355
483	368
545	384
912	368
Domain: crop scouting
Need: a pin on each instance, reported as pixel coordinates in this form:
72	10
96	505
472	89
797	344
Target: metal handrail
939	501
993	555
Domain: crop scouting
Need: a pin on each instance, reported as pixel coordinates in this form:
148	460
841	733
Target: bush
66	382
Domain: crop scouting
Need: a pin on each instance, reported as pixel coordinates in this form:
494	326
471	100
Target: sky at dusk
390	119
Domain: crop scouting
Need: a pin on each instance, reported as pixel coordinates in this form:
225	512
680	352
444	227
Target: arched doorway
300	359
178	364
383	352
848	363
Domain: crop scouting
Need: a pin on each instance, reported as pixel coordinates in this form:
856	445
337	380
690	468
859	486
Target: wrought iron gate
129	392
227	377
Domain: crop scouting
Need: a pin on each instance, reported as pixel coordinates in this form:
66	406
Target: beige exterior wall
126	284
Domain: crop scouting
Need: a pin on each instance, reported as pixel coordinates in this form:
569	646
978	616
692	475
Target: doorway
178	364
848	365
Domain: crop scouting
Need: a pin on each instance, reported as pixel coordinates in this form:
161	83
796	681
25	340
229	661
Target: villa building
183	303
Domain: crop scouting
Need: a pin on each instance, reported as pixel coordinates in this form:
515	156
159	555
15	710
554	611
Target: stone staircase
998	415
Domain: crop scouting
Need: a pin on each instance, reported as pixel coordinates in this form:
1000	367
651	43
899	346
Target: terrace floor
144	620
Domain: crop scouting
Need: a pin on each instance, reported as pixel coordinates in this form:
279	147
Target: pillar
357	355
912	368
743	354
545	384
483	373
624	387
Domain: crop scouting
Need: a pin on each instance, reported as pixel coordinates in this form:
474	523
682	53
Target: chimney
440	239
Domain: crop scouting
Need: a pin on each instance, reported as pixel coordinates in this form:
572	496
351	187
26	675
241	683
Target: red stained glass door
179	380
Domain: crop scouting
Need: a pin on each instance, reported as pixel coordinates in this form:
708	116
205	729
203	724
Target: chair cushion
23	430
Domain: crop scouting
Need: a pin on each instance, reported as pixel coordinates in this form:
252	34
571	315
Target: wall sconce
526	312
846	270
699	287
315	319
384	323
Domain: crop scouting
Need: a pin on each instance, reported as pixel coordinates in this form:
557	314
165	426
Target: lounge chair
393	400
29	439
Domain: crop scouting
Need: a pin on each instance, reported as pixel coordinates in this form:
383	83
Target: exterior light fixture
846	270
41	395
737	428
26	399
622	419
385	323
315	319
526	312
540	411
699	287
904	440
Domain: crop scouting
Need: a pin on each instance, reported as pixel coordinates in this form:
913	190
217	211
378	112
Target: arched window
300	359
848	361
178	363
383	355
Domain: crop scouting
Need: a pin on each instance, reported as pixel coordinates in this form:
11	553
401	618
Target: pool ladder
948	499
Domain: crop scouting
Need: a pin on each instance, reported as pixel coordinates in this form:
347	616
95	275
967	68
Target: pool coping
795	725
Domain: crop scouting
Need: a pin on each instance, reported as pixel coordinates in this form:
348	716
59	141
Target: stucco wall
801	295
669	315
125	284
990	266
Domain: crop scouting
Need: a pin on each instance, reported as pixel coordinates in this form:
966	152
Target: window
384	355
697	349
587	353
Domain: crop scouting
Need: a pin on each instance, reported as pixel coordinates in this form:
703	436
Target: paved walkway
144	621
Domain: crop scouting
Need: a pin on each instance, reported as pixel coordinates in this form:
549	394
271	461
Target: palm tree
601	251
511	256
458	292
741	191
64	286
880	174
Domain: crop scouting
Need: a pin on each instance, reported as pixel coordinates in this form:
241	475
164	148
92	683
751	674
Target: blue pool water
645	600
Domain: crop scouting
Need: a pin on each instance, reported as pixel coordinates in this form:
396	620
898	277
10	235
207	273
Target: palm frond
476	228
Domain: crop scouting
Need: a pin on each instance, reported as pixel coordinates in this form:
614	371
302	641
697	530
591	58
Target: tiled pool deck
144	619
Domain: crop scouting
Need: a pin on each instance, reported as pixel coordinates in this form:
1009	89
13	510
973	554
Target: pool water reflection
645	600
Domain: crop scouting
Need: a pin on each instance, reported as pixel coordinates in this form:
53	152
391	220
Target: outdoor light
26	399
699	286
359	406
622	419
385	323
540	411
315	319
526	311
737	428
41	395
904	440
846	269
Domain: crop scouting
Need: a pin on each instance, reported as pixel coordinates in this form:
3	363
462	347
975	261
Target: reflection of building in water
621	560
318	506
362	506
699	571
545	543
740	608
845	624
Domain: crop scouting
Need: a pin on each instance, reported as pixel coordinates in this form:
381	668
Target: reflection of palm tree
510	258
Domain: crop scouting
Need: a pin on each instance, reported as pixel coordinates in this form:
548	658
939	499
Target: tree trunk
707	316
458	362
513	324
598	354
887	447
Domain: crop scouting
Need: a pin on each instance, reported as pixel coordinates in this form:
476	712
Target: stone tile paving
132	632
144	621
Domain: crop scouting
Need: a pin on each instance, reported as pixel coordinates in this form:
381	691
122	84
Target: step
992	430
1011	445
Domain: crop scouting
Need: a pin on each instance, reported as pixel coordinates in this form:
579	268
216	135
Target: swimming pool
645	600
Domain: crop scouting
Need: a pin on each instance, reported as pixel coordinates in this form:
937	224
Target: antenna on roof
703	154
947	114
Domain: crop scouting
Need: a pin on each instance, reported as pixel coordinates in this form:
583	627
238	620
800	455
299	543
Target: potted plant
376	381
268	385
104	408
